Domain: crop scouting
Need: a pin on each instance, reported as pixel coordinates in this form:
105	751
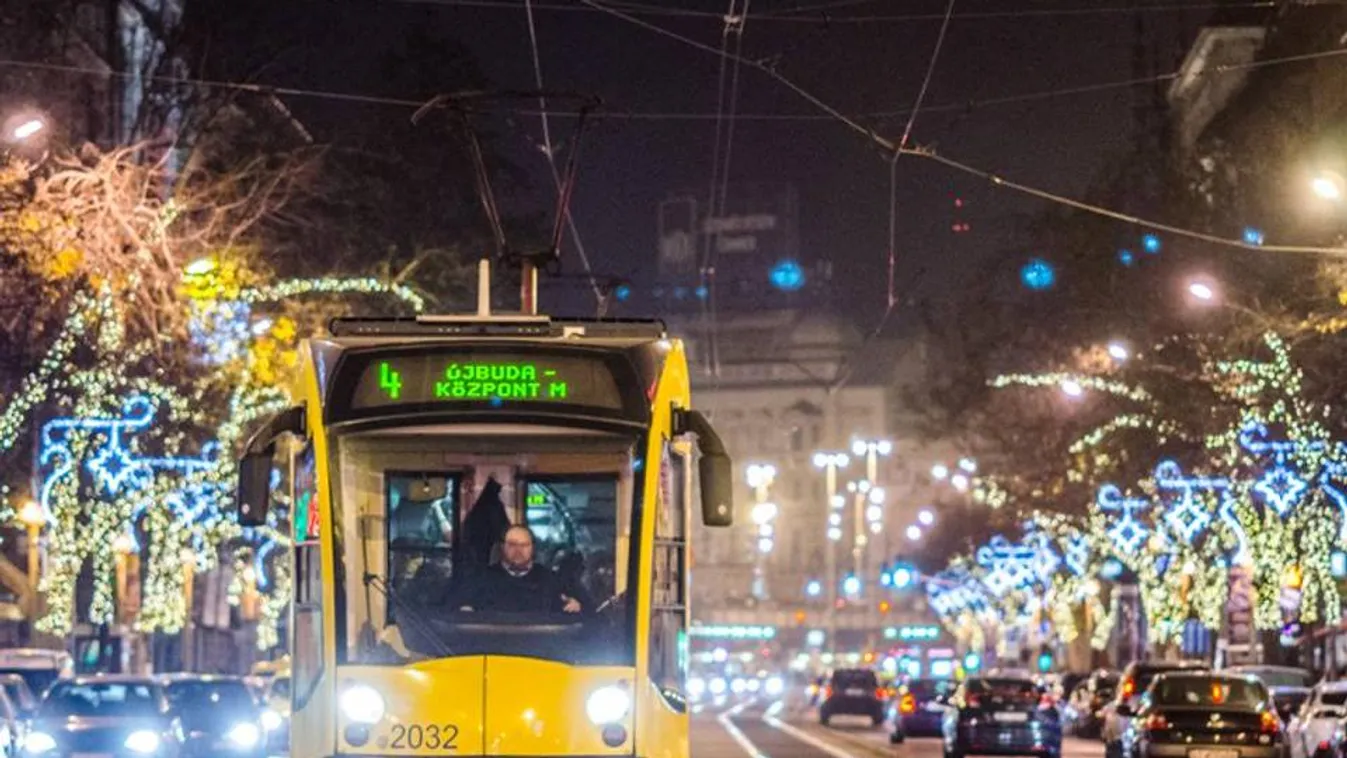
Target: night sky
629	165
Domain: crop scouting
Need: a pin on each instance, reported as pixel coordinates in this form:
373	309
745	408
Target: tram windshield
492	540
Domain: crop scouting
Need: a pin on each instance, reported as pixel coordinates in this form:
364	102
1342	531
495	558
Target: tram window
423	510
308	641
574	525
668	623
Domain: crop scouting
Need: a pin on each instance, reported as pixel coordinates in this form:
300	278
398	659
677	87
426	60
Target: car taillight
1045	702
1156	723
1270	723
827	692
973	701
1129	688
908	704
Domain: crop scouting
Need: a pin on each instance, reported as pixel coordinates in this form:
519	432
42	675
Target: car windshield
201	699
1279	677
100	699
493	544
1145	675
1004	691
855	679
1333	698
19	694
926	689
1204	691
38	679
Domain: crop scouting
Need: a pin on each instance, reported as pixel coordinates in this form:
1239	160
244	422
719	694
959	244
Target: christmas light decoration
1126	531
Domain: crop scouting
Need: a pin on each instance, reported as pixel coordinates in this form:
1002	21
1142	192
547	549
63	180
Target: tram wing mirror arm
715	469
254	485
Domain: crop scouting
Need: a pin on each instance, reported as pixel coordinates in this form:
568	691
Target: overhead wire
563	202
630	115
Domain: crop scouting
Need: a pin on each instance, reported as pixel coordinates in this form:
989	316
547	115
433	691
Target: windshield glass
1207	691
1279	677
100	699
19	694
1333	698
38	679
1003	691
200	699
482	541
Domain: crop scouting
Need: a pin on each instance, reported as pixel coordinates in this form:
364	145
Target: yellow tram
415	445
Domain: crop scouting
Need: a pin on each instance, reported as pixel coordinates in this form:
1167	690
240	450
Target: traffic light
1044	662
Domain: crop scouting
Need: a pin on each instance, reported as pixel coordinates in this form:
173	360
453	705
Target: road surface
762	728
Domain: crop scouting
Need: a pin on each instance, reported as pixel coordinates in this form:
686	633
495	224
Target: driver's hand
570	604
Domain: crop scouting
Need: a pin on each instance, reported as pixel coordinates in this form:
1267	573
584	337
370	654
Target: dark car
921	708
20	695
1204	715
1083	713
1135	679
219	714
1001	716
852	692
122	716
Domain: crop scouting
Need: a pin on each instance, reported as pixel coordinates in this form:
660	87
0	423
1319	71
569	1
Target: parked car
1005	716
219	715
1134	681
110	715
921	707
853	692
1318	719
1204	715
1083	712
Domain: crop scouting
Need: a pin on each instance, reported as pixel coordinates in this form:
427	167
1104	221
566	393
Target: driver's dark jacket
538	590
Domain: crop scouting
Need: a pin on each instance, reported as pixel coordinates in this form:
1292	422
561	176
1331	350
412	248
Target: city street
762	729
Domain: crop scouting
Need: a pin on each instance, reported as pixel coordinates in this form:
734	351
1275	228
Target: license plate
1014	717
1213	754
853	692
423	736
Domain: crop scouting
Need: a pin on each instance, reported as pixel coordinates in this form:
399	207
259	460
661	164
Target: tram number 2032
428	736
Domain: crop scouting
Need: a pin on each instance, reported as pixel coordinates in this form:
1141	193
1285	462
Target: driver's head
517	548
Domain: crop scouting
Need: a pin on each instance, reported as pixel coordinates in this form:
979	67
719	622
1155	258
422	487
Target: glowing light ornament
1126	532
1280	486
1333	472
1045	561
1076	552
1009	567
1188	518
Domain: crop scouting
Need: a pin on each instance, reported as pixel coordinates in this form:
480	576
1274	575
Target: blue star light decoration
1045	561
1076	552
1126	532
1187	518
1009	567
1280	485
1335	471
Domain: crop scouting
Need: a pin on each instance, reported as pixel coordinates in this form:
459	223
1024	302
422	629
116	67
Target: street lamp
1202	291
1327	185
1118	351
1072	388
926	517
914	533
760	477
829	462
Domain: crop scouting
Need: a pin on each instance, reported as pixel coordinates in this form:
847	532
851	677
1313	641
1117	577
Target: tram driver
518	585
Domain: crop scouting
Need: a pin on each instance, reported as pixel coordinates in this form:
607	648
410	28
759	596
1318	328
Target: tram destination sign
491	379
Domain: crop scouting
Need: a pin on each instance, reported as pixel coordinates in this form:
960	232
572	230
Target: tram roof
372	332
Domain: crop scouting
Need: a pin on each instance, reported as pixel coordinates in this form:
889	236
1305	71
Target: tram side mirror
255	467
715	469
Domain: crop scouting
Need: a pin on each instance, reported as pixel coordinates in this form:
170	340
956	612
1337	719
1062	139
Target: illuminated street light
1072	388
902	577
914	533
1118	351
959	481
766	530
814	588
939	471
1327	185
926	517
834	519
874	513
765	545
876	496
763	513
27	128
851	585
761	475
837	502
1202	291
969	465
834	534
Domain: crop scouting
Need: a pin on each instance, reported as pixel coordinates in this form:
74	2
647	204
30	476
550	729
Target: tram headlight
271	720
362	704
607	705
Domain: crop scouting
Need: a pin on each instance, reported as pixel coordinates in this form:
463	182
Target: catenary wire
563	206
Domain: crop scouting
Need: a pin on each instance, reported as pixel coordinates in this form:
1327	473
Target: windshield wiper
408	613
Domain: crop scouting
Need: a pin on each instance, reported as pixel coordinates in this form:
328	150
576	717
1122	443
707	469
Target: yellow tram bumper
485	705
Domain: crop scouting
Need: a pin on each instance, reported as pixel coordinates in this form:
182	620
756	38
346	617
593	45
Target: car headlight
244	736
775	686
362	704
142	741
271	720
607	705
717	686
39	742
